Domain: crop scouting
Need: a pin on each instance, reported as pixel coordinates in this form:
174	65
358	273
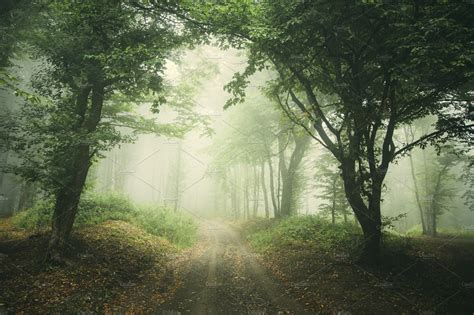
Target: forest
236	157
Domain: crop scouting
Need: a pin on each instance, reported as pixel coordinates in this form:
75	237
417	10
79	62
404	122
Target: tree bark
256	191
289	174
68	196
434	202
334	196
415	184
368	216
276	212
264	190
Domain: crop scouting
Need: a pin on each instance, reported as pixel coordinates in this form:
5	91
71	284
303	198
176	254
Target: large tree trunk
289	174
68	196
67	201
369	216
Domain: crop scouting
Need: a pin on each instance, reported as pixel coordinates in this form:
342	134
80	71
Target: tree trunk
276	212
256	192
264	190
68	196
289	174
434	201
27	196
287	194
334	195
67	201
417	193
178	177
247	194
369	217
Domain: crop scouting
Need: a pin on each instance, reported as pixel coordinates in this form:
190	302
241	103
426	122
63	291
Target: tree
440	189
102	58
385	66
330	182
289	175
410	137
262	138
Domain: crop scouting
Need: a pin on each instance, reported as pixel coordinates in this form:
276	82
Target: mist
236	157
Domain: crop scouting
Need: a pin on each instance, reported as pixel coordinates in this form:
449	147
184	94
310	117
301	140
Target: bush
96	208
177	227
93	209
36	218
306	231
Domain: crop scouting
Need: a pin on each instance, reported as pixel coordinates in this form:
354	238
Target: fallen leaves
113	267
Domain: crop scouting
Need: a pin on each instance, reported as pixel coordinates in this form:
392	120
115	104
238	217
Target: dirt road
225	278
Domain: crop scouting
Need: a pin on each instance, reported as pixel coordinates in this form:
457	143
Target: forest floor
113	267
424	275
116	268
224	277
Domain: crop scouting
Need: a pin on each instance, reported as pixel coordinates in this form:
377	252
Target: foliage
309	231
95	209
177	227
110	47
383	67
329	181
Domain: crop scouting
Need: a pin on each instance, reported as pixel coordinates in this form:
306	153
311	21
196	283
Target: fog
182	173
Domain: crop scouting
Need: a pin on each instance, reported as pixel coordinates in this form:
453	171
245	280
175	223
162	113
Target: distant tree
410	137
440	190
289	169
264	138
329	181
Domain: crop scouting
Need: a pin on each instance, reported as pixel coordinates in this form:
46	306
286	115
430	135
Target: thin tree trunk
27	196
178	177
256	192
434	207
415	183
333	208
246	195
264	190
429	218
276	213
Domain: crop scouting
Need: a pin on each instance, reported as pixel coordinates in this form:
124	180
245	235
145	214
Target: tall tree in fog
270	149
386	66
100	57
298	142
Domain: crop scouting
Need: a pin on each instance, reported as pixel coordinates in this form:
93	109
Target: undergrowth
95	208
314	233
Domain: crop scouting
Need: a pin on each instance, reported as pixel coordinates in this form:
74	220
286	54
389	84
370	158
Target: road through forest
224	277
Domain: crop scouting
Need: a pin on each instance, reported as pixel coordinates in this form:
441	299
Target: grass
121	258
316	261
305	231
176	227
